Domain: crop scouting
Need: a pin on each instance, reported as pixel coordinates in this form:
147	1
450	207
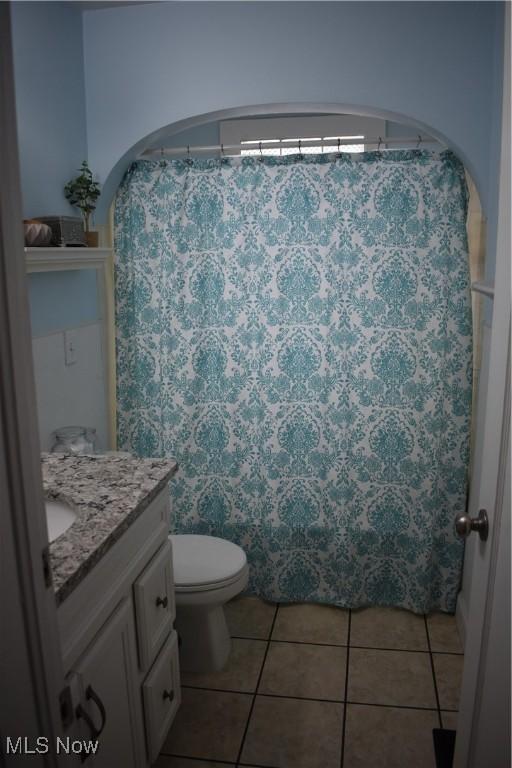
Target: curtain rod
299	144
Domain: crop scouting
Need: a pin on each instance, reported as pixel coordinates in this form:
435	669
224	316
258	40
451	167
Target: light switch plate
70	347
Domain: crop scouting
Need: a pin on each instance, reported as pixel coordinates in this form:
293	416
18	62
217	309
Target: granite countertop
108	493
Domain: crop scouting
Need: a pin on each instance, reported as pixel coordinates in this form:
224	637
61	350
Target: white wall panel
71	394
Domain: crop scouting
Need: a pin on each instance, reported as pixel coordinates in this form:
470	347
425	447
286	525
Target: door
110	706
483	729
31	671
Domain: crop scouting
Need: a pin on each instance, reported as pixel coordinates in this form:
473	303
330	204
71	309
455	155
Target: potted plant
83	192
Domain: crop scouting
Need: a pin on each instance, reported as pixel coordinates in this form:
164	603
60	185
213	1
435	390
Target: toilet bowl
208	572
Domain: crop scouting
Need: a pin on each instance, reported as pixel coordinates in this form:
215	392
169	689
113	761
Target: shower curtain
297	333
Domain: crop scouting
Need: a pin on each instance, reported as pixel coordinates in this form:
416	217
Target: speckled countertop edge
109	493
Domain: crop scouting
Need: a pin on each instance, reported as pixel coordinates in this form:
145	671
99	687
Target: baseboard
461	616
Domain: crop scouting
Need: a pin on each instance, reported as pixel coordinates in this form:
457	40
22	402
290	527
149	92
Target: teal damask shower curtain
297	333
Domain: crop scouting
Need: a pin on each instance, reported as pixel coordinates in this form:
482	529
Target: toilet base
205	643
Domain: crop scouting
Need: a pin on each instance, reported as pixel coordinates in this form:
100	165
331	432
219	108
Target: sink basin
59	517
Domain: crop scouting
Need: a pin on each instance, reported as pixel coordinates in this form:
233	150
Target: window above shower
285	131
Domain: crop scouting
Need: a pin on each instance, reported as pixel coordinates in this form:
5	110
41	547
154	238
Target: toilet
208	572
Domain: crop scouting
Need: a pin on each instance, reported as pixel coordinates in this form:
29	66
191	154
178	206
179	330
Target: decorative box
66	230
36	233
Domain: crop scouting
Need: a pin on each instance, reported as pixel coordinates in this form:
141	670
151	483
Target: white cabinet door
162	695
154	604
110	695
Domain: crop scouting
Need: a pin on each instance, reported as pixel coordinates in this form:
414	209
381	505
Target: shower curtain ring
378	145
261	153
339	142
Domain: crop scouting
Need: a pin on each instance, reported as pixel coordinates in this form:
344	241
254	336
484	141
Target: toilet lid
204	559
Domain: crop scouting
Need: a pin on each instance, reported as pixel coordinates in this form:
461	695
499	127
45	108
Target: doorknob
464	524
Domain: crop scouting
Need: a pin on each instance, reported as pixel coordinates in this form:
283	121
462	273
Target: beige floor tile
449	720
166	761
209	725
384	737
307	671
448	670
240	673
308	623
402	678
289	733
250	617
388	628
443	633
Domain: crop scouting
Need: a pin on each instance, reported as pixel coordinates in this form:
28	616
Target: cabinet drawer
162	696
154	604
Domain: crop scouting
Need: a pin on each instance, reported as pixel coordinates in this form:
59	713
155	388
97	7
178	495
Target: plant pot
91	239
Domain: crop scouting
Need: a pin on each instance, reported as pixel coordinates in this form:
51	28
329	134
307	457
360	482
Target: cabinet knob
163	601
168	695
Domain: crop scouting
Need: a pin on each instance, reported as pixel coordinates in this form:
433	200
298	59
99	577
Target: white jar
74	440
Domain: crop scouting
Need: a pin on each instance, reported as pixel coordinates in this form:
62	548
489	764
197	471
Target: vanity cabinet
107	686
120	648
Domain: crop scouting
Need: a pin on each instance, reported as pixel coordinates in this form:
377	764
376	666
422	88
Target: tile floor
312	686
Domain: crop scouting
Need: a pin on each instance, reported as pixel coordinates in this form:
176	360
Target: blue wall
52	140
148	66
50	102
206	135
61	300
436	65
